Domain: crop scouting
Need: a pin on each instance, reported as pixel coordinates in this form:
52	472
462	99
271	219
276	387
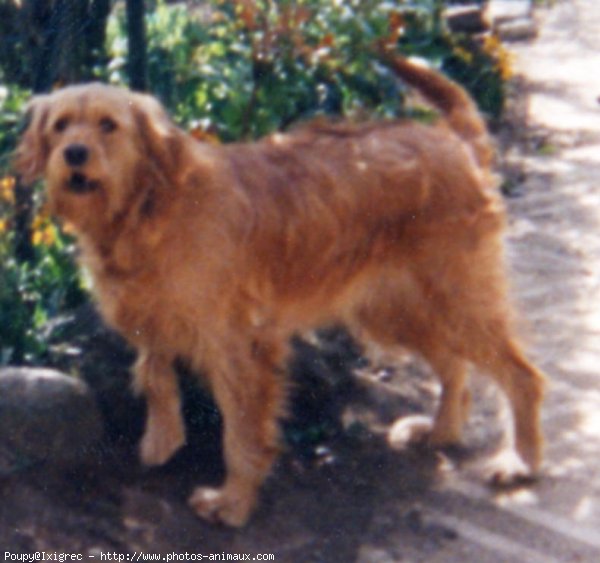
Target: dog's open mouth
79	183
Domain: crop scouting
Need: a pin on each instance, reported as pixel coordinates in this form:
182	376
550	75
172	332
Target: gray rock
498	11
519	29
45	416
466	19
512	20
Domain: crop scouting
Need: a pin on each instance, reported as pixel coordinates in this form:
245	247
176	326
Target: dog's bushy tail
458	108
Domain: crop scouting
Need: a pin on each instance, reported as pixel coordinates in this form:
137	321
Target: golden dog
218	254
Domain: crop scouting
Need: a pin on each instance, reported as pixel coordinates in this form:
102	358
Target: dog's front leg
165	430
251	397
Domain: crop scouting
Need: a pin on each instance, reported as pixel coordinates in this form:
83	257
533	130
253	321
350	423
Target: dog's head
103	152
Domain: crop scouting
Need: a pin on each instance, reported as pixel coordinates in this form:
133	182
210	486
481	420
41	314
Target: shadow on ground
319	504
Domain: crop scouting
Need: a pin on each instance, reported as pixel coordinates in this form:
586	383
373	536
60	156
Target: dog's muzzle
79	183
76	155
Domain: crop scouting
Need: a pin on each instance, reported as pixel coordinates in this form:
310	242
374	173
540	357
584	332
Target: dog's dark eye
61	124
107	125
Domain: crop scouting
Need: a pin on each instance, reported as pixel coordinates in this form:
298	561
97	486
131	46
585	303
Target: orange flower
327	41
247	12
204	136
397	25
67	228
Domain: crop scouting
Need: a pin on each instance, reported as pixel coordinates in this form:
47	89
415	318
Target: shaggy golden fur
218	254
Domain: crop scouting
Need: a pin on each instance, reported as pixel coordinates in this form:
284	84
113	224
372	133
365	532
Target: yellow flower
8	182
7	189
463	54
39	221
45	236
505	64
44	232
3	226
493	47
491	44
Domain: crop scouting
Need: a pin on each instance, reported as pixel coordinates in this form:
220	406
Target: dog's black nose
76	155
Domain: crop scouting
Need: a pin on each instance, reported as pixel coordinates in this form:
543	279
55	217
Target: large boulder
45	416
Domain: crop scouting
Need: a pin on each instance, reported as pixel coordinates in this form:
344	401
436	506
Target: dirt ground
323	494
338	493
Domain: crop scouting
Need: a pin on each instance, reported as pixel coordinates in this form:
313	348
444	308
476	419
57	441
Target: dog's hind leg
449	337
445	429
156	379
250	393
455	401
523	384
483	336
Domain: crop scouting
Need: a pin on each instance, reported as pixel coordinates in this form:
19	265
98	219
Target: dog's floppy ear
160	138
33	150
157	173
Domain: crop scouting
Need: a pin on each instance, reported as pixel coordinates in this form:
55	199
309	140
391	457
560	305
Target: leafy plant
33	294
242	68
11	103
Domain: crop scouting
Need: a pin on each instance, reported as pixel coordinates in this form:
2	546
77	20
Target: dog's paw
421	431
160	443
507	469
410	431
222	506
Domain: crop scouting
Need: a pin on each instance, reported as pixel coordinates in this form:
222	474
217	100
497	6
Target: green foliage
33	294
240	69
11	103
